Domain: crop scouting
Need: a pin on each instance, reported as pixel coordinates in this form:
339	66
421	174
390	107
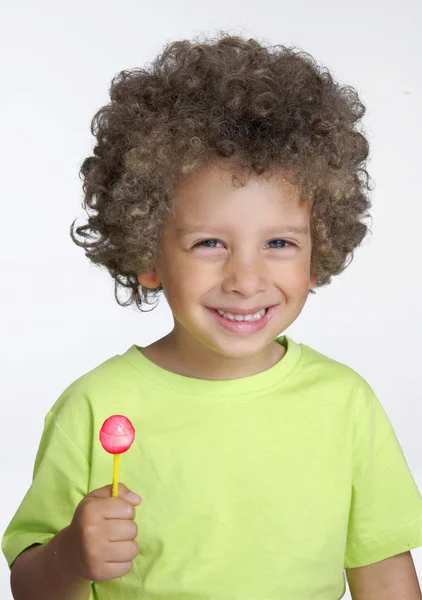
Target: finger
118	569
117	552
127	494
116	508
123	492
104	492
119	531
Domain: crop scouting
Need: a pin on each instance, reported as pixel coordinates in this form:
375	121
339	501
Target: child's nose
245	276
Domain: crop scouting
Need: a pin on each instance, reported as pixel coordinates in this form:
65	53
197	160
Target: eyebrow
206	229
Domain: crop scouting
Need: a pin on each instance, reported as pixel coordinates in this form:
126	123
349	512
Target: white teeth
254	317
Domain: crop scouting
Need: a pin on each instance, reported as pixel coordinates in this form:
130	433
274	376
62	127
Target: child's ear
312	282
150	279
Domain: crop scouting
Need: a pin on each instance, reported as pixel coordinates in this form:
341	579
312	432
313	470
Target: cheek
202	275
294	277
185	280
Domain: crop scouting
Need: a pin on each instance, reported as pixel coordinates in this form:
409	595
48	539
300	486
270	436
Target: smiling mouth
253	314
239	317
243	322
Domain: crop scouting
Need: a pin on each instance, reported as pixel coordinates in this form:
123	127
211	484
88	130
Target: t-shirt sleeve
386	506
60	482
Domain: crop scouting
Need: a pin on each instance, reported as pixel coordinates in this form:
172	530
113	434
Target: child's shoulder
330	371
113	378
109	372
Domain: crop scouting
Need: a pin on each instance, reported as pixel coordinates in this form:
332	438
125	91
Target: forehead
211	194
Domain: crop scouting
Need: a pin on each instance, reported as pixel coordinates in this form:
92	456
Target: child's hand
101	537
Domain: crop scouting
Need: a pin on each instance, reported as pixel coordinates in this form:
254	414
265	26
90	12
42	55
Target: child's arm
390	579
98	545
44	573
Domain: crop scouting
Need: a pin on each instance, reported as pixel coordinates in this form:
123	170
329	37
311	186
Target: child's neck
190	358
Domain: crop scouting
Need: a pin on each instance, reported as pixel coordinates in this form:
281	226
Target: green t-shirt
264	487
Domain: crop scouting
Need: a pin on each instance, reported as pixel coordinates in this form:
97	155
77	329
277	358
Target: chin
240	348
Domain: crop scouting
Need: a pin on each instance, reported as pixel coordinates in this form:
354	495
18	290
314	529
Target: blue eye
208	243
279	243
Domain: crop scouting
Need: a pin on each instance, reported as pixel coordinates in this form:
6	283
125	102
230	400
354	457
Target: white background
58	316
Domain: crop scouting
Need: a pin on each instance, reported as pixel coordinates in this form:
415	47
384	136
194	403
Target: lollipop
116	436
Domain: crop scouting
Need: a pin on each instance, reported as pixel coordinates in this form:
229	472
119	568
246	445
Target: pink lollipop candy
116	436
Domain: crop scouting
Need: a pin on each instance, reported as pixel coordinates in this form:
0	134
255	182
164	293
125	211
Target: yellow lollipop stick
115	488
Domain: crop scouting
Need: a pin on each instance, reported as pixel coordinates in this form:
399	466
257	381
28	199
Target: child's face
235	250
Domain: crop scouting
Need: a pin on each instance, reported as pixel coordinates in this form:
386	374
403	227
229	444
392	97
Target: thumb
128	495
123	492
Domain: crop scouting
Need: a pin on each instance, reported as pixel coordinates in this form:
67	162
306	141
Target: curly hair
259	108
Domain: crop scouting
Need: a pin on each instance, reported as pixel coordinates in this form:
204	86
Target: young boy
232	177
